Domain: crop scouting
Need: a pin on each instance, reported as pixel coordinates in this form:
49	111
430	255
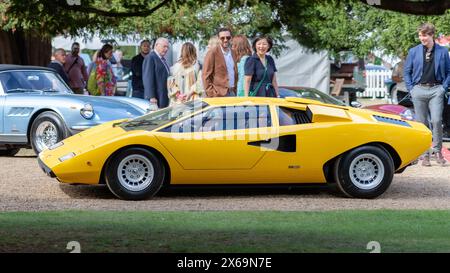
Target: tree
418	7
178	19
332	25
351	25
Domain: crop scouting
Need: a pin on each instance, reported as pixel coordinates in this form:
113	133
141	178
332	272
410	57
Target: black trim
46	169
392	121
287	143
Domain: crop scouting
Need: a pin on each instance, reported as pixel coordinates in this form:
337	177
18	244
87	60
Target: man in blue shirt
427	76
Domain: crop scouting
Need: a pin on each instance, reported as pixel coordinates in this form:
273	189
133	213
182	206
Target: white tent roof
94	43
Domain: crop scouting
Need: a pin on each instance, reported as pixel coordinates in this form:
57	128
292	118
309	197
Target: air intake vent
392	121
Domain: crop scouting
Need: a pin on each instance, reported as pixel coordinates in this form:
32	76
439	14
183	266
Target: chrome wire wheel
366	171
135	172
46	135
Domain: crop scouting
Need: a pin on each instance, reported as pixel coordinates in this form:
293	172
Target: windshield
32	81
319	96
164	116
310	93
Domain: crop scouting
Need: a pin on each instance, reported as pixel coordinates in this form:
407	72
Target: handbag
92	81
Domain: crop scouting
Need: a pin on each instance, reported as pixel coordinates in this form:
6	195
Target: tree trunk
24	48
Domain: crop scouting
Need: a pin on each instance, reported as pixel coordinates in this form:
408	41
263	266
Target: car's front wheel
134	174
47	129
364	172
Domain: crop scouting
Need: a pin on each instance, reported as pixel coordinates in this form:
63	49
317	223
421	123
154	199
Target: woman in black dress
260	70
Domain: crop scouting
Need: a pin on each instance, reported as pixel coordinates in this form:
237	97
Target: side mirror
355	104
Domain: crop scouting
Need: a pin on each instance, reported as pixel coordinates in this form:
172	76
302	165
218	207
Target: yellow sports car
241	141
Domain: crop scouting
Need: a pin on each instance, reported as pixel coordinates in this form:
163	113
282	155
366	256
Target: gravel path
24	187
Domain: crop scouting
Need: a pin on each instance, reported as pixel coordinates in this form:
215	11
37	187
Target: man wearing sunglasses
219	68
427	77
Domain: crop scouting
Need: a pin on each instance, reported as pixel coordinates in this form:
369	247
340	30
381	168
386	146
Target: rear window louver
302	118
392	121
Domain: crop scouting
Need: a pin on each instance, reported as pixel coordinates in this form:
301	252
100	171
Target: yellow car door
219	138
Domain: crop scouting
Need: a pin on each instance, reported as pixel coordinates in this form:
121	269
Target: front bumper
46	169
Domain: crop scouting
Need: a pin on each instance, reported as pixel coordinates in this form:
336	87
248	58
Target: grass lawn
242	231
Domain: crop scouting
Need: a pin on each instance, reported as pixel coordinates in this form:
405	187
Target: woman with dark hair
105	79
185	83
243	50
260	70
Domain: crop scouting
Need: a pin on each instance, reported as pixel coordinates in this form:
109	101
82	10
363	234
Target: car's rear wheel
9	152
364	172
134	174
47	129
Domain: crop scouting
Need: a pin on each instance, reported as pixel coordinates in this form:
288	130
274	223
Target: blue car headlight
87	111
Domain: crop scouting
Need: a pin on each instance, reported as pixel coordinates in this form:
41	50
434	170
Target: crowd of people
231	67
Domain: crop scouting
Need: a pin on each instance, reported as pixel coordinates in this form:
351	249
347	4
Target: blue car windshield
23	81
164	116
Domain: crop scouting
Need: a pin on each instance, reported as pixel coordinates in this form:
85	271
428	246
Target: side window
209	121
247	117
213	120
224	118
289	116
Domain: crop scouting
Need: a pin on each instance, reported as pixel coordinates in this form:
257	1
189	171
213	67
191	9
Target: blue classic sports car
37	109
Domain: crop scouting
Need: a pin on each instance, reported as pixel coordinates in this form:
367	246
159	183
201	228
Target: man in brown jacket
219	68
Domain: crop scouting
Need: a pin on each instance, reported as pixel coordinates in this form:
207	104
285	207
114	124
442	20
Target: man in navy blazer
155	71
427	76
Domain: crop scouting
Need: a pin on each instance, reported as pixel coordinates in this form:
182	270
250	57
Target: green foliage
350	25
333	25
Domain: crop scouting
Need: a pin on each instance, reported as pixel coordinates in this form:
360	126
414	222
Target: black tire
54	119
145	185
9	152
372	170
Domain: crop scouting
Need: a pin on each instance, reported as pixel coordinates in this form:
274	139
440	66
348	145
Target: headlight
66	157
87	111
408	114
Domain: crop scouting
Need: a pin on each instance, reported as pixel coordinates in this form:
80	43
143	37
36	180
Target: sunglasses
225	37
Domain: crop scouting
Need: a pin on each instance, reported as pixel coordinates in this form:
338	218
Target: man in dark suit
155	71
136	70
59	59
427	77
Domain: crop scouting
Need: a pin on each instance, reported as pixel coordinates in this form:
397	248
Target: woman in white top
185	82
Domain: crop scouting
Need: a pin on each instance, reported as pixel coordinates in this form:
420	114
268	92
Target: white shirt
230	66
166	65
